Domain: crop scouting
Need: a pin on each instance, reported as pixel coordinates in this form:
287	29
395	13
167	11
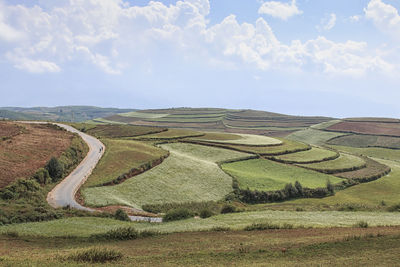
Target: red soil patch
23	154
372	128
8	130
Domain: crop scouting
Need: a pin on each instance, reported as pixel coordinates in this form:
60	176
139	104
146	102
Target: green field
324	125
172	134
314	154
142	115
266	175
120	157
120	130
248	140
312	136
354	140
188	174
218	136
382	153
345	162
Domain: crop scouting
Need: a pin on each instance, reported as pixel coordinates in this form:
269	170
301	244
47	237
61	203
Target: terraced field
266	175
313	136
370	128
354	140
248	140
118	131
315	154
171	134
345	162
190	173
120	157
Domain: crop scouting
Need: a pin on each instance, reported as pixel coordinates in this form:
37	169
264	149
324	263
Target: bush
361	224
394	208
206	213
122	233
267	226
330	187
177	214
121	215
228	208
55	169
96	255
21	189
42	176
220	229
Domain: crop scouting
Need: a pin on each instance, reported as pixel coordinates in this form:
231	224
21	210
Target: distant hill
61	113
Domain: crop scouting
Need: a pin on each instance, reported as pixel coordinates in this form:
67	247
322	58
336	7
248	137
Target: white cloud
355	18
113	36
385	17
280	10
327	23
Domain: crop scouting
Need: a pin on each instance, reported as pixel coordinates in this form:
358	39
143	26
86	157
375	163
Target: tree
299	188
55	169
42	176
121	215
330	187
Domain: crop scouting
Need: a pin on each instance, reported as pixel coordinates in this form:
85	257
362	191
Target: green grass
315	154
324	125
266	175
142	115
382	153
86	226
186	119
249	140
188	174
366	141
121	156
172	134
218	136
343	163
119	130
313	136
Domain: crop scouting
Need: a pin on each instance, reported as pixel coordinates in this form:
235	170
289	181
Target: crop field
120	157
354	140
142	115
190	173
324	125
313	155
248	140
371	128
116	131
266	175
169	119
172	134
373	169
312	136
375	152
216	136
345	162
27	147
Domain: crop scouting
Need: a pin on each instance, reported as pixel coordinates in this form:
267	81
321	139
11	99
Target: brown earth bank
374	246
35	144
372	128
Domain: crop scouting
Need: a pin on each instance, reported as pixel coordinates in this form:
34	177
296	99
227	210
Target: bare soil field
372	128
24	153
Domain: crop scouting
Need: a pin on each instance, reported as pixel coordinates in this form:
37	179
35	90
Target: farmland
266	175
371	128
366	141
315	154
345	162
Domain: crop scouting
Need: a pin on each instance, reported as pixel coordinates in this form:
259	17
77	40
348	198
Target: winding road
64	193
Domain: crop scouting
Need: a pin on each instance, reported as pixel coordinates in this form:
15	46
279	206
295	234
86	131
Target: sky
307	57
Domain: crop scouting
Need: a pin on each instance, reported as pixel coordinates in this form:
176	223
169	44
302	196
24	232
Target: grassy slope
310	155
250	140
343	162
172	134
121	156
188	174
268	175
218	136
366	141
312	136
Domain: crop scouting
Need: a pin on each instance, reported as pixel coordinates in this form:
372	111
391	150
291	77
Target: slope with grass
374	170
370	128
171	134
120	157
313	136
248	140
345	162
315	154
266	175
354	140
118	131
190	173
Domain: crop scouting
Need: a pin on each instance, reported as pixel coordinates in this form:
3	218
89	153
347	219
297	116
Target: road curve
64	193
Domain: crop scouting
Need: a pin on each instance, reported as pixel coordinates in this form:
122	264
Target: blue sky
306	57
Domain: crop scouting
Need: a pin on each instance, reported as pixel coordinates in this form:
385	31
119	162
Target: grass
249	140
374	169
142	115
266	175
172	134
313	136
366	141
120	157
119	130
186	119
382	153
218	136
324	125
345	162
188	174
314	154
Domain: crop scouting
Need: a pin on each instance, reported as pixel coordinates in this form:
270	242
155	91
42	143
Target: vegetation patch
313	136
374	170
354	140
95	255
249	140
190	173
171	134
266	175
119	130
313	155
344	163
369	128
267	226
194	207
177	214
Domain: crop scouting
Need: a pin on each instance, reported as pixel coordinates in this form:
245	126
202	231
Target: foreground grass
304	247
121	156
190	173
267	175
86	226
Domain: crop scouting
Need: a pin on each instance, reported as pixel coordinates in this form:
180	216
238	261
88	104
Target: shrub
42	176
206	213
55	169
228	208
177	214
361	224
267	226
21	188
330	187
121	215
394	208
96	255
122	233
220	229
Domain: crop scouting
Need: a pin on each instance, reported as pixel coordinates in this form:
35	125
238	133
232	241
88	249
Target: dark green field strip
344	163
363	141
286	147
374	170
